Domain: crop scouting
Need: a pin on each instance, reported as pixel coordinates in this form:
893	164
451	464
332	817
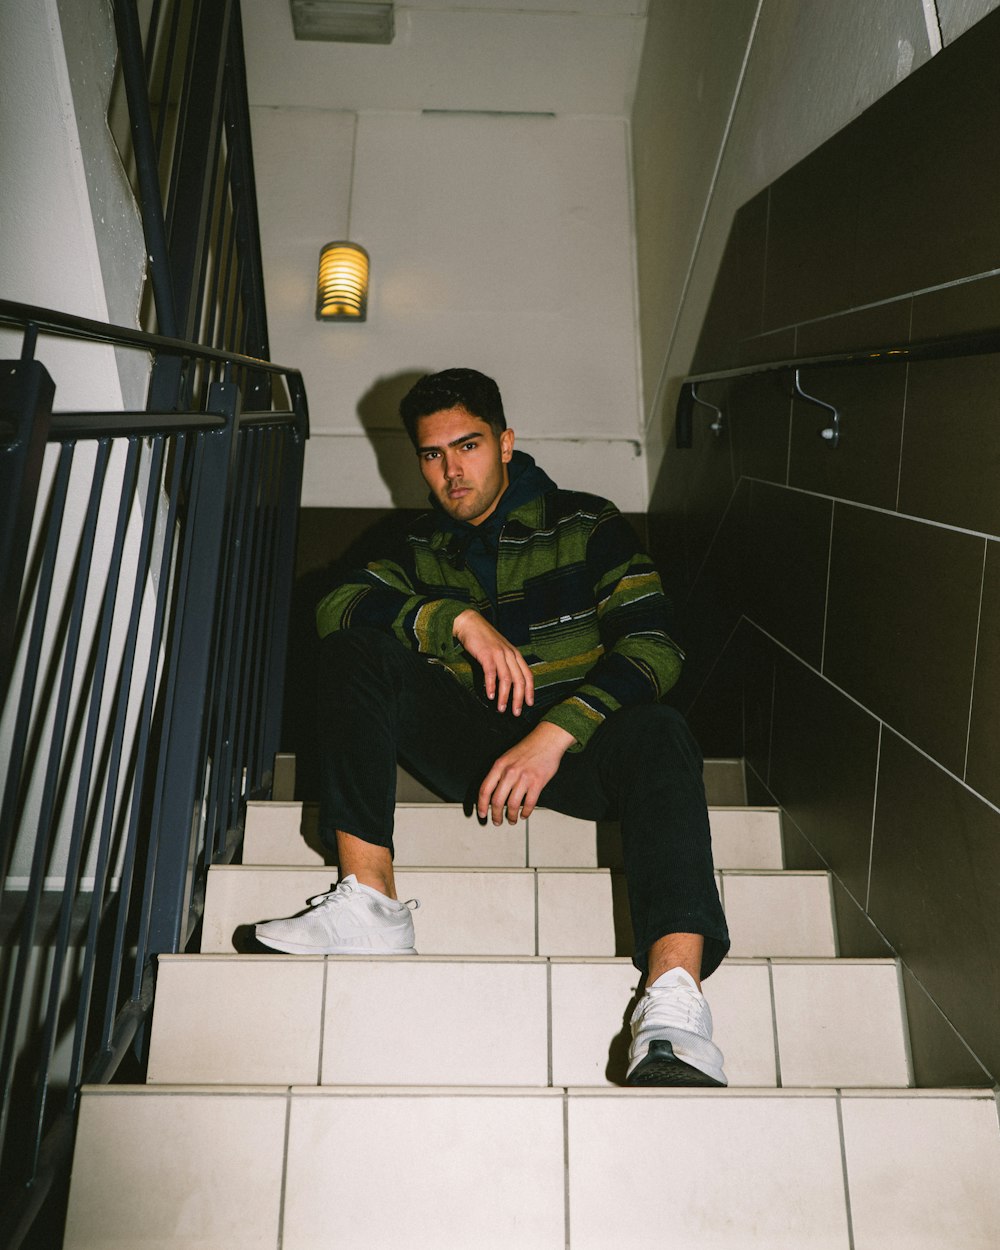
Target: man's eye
469	446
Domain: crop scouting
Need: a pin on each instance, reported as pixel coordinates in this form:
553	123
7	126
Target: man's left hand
519	776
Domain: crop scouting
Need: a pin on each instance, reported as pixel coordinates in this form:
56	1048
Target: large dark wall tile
736	306
858	330
824	750
864	467
983	769
951	445
935	882
714	605
759	657
758	418
939	1055
901	624
788	543
930	168
960	309
710	477
814	211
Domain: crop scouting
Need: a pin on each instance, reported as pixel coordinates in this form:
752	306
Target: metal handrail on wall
980	343
146	564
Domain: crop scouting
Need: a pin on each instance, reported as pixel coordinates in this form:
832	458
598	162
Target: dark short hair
453	388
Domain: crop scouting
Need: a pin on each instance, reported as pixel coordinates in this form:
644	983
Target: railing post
289	505
181	775
26	392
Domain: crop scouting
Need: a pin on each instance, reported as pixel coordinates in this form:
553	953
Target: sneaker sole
662	1067
296	948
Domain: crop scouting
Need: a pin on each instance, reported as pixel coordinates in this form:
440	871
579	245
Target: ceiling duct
343	21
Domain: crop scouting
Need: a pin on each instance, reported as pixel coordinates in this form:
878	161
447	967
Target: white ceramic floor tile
592	1004
786	913
488	912
924	1172
435	1022
479	912
178	1171
273	818
425	1171
575	915
558	841
654	1169
442	836
840	1023
246	1018
239	895
739	996
746	837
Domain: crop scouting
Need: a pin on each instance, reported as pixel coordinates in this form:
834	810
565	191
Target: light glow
342	283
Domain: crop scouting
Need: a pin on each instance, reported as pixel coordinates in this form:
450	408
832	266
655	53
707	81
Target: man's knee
654	733
350	655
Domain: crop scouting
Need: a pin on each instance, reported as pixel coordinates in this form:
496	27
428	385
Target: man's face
463	462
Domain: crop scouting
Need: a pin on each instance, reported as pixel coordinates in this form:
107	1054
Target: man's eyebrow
466	438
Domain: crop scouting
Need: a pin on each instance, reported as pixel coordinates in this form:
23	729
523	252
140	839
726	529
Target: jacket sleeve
382	596
640	661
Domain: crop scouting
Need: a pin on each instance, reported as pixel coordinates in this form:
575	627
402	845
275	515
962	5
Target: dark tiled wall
841	608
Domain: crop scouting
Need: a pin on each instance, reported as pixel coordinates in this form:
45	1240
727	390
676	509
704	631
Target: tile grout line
565	1103
322	1022
774	1025
548	1020
284	1169
826	593
975	662
871	507
535	874
871	839
994	807
843	1165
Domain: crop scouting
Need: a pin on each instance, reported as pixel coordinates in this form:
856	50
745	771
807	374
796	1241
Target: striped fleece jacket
573	593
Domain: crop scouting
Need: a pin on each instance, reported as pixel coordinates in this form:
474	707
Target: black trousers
380	702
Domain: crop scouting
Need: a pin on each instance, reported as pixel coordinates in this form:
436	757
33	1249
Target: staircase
473	1096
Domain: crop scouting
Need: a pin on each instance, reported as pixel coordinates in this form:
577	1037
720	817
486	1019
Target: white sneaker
672	1036
352	919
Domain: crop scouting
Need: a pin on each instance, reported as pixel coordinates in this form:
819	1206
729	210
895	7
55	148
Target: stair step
294	1020
441	835
523	911
725	785
540	1169
488	911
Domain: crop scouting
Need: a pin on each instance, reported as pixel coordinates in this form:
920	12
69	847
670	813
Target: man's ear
506	444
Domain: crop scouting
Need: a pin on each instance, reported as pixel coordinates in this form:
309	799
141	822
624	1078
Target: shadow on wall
378	411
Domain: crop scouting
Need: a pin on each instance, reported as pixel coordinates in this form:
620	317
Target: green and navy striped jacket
574	594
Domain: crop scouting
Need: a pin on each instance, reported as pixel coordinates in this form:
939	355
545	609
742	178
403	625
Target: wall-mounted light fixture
342	283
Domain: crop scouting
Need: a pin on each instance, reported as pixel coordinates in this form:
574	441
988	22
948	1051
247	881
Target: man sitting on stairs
513	653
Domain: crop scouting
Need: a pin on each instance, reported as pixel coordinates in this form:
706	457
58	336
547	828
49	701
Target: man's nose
451	468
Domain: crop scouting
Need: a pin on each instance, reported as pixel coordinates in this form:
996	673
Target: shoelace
678	1005
342	890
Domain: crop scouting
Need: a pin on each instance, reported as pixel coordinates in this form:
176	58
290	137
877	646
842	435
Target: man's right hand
505	671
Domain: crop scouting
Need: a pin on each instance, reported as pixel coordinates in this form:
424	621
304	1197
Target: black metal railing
979	343
146	567
184	79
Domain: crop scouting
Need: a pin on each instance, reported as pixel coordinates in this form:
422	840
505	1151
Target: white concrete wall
731	94
502	243
483	159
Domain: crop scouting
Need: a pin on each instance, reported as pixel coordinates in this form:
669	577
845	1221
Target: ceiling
559	56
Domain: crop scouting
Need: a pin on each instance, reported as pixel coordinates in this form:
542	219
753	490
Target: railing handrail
69	325
949	347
